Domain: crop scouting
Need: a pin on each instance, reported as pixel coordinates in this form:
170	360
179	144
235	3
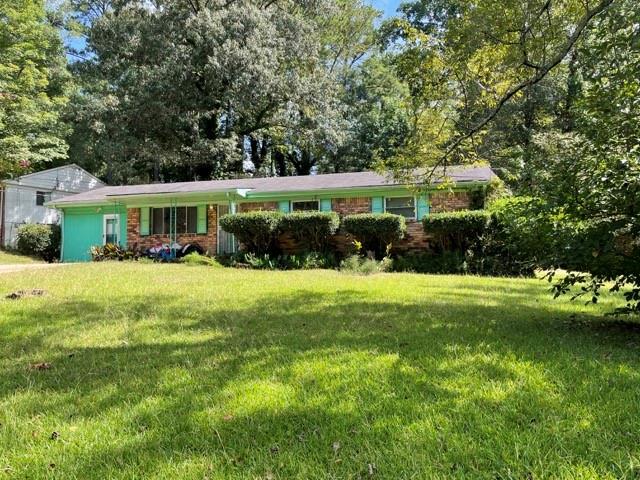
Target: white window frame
415	205
291	209
110	216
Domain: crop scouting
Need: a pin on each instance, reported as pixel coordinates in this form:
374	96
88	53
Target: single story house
141	216
23	199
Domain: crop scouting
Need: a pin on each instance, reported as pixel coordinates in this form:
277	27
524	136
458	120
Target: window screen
305	205
42	198
186	220
404	206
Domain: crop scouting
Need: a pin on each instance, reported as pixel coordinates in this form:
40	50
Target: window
42	198
405	206
305	205
186	220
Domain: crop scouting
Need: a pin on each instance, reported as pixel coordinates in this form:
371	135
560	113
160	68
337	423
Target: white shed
22	199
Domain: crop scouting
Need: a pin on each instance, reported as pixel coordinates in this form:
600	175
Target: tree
33	88
173	90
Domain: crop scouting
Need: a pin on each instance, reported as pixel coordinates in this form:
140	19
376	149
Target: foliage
256	231
196	259
33	88
302	261
110	251
375	231
312	229
456	231
359	265
38	240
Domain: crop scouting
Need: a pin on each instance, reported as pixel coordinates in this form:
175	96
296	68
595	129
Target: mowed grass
169	371
10	258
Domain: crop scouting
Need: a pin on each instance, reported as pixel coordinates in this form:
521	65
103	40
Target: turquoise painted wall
83	228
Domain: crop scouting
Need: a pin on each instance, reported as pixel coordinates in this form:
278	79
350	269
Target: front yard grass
11	258
165	371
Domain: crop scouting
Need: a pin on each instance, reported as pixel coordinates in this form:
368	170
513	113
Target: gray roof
310	183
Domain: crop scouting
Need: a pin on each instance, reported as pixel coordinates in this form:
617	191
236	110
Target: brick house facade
139	242
124	214
415	238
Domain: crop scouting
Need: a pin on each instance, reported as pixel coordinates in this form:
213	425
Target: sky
387	6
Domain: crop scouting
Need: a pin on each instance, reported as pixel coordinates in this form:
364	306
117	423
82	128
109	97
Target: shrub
100	253
39	240
456	231
194	258
256	231
375	231
312	229
304	261
364	265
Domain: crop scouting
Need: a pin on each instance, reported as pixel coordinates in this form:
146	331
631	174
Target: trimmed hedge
39	240
312	229
456	231
375	231
256	231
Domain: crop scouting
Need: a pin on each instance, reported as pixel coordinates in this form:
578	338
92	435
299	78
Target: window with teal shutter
423	207
325	205
283	206
202	219
377	204
144	221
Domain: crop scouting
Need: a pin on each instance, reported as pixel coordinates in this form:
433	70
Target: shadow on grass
452	384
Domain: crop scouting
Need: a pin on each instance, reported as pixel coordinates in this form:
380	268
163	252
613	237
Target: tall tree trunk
573	89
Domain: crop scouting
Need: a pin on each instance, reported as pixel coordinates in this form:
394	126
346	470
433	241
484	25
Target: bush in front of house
302	261
430	262
311	229
456	231
110	251
375	231
256	231
197	259
37	240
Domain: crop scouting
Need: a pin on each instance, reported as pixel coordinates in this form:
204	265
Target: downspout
2	197
61	235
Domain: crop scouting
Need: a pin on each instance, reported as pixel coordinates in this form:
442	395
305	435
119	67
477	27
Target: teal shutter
423	207
284	206
377	204
144	221
202	219
325	205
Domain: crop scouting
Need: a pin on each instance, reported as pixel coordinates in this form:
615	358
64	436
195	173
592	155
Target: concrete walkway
19	267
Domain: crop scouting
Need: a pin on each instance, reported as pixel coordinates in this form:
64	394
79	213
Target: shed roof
267	185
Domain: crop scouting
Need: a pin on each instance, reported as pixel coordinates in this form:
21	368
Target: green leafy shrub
100	253
375	231
303	261
456	231
312	229
256	231
194	259
39	240
359	265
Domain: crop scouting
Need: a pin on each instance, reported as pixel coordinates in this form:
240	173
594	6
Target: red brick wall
351	206
206	241
449	201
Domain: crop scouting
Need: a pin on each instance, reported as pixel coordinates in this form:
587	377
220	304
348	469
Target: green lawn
169	371
7	258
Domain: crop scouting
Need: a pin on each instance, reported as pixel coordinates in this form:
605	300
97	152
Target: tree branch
542	71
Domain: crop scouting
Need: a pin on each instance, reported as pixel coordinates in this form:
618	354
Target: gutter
2	215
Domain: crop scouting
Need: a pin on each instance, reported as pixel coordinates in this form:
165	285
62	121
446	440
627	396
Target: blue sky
387	6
